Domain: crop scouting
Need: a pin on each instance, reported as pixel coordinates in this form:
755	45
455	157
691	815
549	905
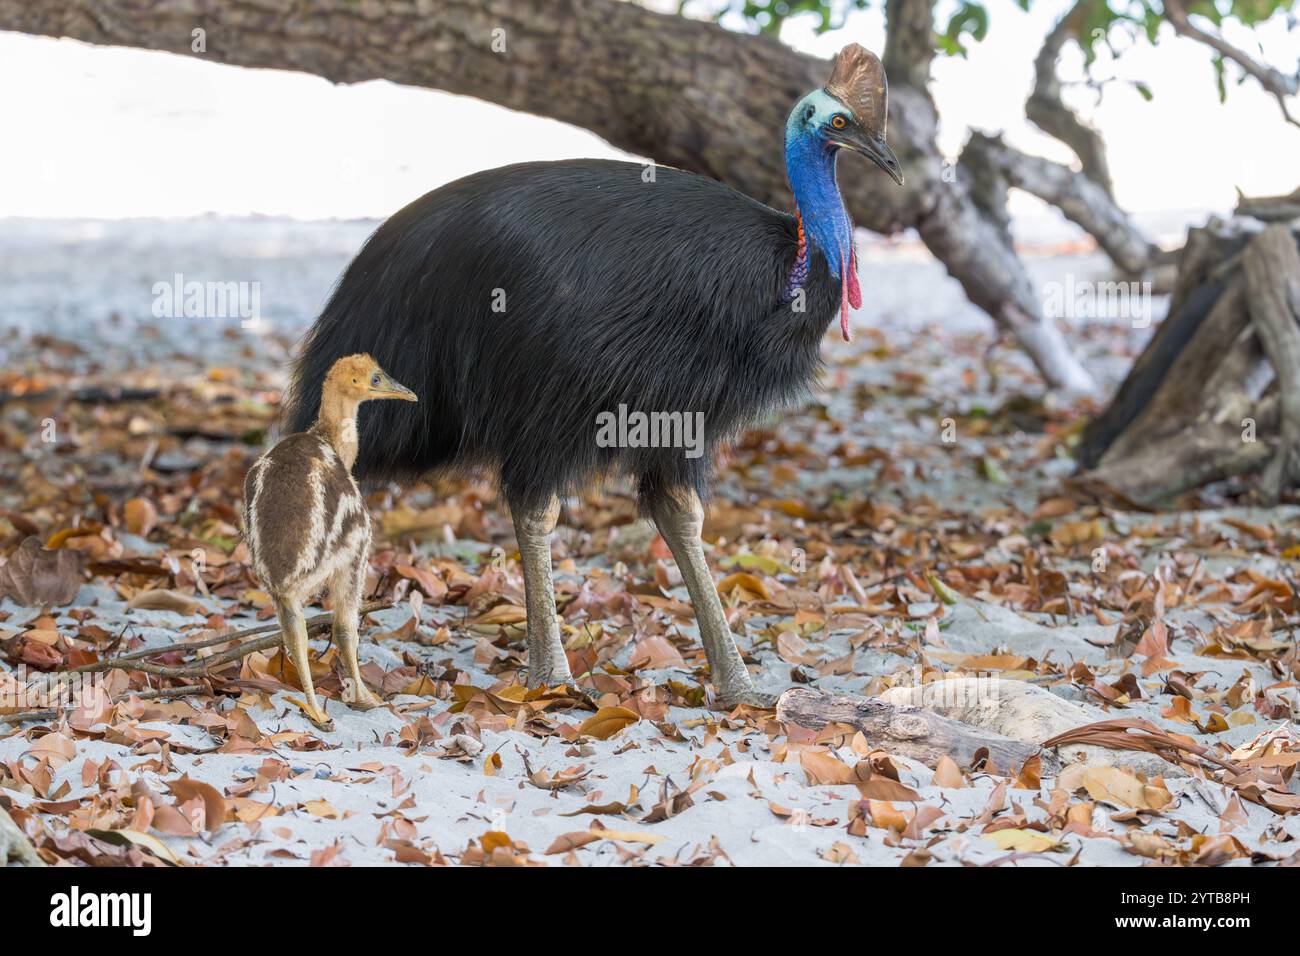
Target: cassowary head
359	378
850	111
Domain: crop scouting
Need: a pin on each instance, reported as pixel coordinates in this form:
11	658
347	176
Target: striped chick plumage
305	518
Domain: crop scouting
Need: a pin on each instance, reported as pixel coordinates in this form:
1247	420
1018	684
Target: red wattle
855	293
850	293
844	312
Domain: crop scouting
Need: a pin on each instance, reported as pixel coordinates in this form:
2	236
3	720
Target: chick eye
838	121
374	379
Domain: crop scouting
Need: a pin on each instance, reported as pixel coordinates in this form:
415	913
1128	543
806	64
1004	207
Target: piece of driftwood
14	845
907	731
1214	394
1272	267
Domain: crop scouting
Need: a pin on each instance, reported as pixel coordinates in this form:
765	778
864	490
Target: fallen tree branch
911	732
1216	392
134	661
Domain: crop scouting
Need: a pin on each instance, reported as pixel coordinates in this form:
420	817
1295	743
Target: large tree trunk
680	92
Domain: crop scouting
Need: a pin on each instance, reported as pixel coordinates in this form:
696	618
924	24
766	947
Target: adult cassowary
525	305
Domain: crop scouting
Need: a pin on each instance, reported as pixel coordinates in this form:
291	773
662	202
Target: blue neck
810	168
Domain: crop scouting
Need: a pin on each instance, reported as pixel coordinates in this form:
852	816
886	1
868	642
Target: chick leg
345	594
680	519
547	665
293	629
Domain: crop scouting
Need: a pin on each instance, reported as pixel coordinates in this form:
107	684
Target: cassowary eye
838	121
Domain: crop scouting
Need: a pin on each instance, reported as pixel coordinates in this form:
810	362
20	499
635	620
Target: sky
102	132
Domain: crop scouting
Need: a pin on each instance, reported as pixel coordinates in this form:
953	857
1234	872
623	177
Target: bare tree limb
1216	392
909	43
1046	108
972	243
1279	84
1080	198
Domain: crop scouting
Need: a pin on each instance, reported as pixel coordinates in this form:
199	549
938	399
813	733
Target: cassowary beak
388	388
875	148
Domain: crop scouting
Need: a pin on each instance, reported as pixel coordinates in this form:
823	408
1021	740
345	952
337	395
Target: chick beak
875	148
388	388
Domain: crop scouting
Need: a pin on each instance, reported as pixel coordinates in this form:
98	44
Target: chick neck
337	424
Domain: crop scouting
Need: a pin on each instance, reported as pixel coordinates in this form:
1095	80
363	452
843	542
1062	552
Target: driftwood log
1216	392
911	732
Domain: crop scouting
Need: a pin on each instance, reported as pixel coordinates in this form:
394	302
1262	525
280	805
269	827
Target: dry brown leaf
140	516
163	600
39	577
608	721
823	769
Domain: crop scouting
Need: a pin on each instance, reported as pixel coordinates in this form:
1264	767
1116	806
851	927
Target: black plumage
663	295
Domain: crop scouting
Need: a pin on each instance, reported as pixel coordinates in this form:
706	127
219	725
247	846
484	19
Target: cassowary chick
307	526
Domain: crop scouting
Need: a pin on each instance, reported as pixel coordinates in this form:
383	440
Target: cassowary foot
550	676
363	699
730	699
318	716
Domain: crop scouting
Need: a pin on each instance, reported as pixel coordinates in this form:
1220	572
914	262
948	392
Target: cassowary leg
345	594
680	519
547	665
293	630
